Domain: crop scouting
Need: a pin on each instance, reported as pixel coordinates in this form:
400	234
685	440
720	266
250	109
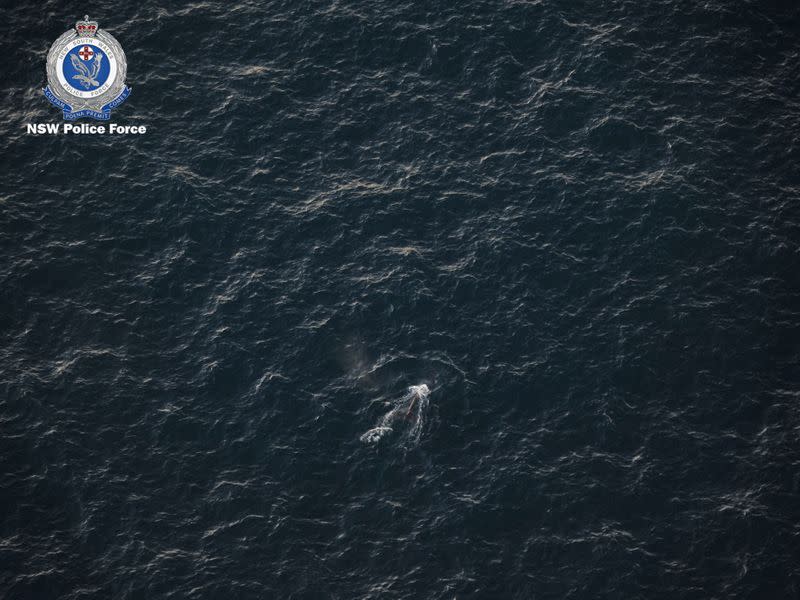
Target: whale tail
374	435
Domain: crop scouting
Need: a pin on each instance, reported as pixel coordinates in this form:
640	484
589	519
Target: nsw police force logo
86	73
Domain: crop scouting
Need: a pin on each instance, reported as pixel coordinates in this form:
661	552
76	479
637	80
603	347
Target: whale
409	409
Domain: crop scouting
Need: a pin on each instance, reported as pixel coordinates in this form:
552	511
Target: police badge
86	73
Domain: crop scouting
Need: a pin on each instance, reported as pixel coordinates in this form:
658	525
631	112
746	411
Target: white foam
420	390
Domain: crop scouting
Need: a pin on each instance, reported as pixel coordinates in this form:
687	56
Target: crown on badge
86	27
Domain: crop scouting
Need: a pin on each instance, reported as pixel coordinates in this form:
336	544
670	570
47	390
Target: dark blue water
575	222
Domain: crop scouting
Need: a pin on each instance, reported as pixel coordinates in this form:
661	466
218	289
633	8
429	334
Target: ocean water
576	223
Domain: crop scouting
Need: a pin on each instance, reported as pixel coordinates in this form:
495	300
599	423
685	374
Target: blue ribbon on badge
104	114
